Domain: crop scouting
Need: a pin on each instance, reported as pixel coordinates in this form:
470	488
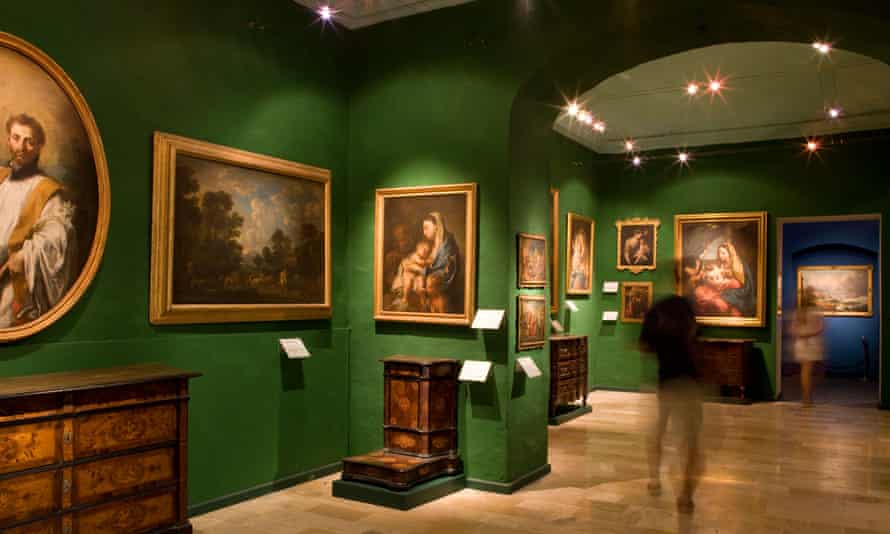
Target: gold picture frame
242	296
634	310
637	244
531	316
579	254
425	254
826	307
27	58
721	266
531	272
554	250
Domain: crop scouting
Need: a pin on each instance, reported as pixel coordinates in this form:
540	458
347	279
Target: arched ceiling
360	13
773	90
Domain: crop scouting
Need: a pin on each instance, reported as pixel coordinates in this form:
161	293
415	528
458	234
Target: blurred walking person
807	327
669	331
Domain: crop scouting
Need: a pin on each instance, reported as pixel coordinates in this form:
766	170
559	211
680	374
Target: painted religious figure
637	244
636	299
721	266
532	260
837	290
248	239
531	316
53	191
425	254
579	255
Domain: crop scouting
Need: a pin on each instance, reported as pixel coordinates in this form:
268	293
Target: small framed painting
836	290
636	299
637	244
531	260
579	255
531	316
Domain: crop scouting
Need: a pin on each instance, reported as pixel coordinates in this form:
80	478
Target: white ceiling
774	91
360	13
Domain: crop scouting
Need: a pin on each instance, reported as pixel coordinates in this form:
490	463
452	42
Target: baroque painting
722	264
425	254
579	255
532	260
530	316
837	290
637	244
54	191
636	299
237	236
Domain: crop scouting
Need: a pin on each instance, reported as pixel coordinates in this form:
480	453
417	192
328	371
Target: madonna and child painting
721	266
425	254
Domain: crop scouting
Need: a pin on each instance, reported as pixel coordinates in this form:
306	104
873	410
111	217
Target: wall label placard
475	371
571	306
557	326
294	348
610	287
528	366
488	319
610	316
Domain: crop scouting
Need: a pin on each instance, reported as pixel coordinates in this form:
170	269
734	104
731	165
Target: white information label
571	305
529	366
610	316
294	348
557	326
610	287
488	319
474	371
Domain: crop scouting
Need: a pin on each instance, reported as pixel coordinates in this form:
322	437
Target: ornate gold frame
520	345
757	216
91	266
628	285
569	218
528	284
554	250
868	268
462	319
636	221
162	308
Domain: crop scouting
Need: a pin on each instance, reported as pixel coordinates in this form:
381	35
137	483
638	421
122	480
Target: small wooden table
725	362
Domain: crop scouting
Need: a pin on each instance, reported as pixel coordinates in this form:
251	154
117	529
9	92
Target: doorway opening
835	262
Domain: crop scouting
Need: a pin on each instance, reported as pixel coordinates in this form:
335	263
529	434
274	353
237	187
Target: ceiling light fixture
637	161
715	86
822	47
683	158
326	13
692	89
573	109
599	126
834	113
812	145
629	145
585	117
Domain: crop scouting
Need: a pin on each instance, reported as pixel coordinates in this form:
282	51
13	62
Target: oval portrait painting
54	191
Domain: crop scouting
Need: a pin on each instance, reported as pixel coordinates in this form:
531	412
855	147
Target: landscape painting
532	260
836	290
722	262
249	239
531	317
425	254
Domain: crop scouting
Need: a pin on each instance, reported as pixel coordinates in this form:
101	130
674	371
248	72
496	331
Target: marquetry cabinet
568	371
725	363
95	452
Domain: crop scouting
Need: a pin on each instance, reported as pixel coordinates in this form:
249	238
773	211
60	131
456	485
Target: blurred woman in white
807	327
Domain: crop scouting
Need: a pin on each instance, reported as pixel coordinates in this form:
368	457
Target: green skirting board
400	500
569	415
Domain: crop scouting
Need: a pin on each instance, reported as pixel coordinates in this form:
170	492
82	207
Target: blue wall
835	243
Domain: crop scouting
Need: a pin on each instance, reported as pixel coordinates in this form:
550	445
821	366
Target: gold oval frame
91	266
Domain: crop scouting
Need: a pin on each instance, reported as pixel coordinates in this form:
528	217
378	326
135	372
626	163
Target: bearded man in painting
37	237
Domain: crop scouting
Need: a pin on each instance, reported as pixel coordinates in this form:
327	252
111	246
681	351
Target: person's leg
692	421
655	439
806	381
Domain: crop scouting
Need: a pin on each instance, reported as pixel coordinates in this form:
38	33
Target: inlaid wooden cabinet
724	362
568	371
95	452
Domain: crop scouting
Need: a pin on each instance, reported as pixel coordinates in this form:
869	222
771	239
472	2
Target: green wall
254	75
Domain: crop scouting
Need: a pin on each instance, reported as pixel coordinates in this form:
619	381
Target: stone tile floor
771	468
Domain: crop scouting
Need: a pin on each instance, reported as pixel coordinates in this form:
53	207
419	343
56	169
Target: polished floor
771	468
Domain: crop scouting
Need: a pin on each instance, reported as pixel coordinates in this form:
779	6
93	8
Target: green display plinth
400	500
569	415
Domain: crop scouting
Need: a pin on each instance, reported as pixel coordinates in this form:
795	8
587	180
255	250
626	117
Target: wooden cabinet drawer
130	516
122	476
125	395
50	526
29	497
105	432
31	445
567	392
566	370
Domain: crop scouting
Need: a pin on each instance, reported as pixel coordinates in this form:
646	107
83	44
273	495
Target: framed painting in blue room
721	262
237	236
55	198
425	254
836	290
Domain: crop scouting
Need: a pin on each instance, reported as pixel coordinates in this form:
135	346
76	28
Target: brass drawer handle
66	486
67	437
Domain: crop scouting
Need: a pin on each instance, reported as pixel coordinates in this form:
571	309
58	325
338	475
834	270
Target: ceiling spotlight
585	117
637	161
822	47
715	85
599	126
326	13
834	113
629	145
573	109
692	89
812	145
683	157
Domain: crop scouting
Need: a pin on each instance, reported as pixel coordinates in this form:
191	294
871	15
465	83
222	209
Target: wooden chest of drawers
95	452
568	371
724	362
